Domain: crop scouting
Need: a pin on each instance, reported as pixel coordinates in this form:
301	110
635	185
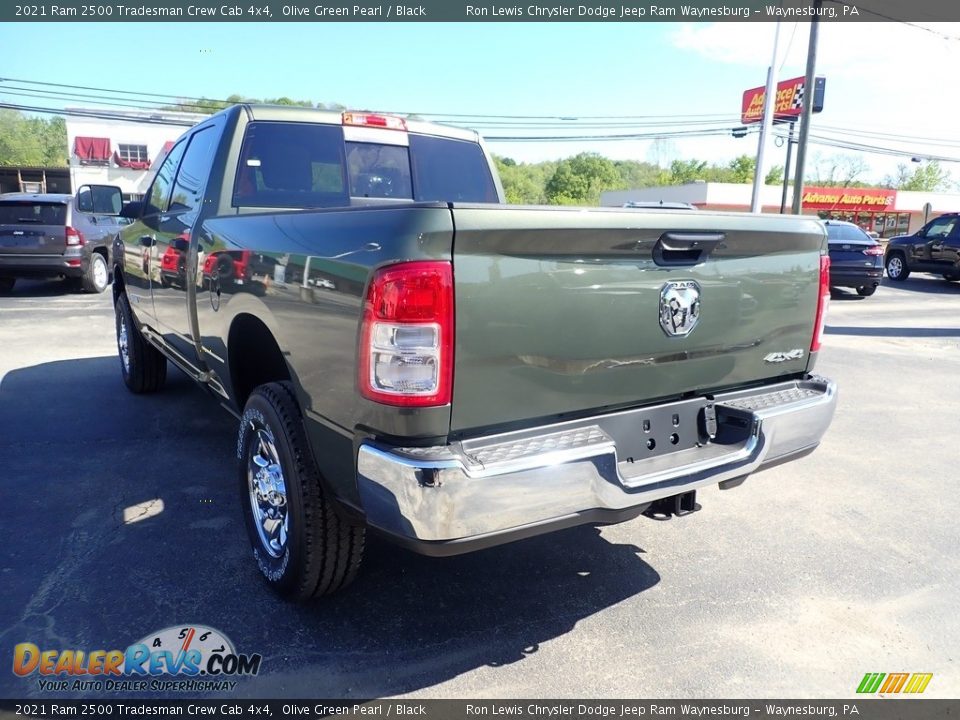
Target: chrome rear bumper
494	489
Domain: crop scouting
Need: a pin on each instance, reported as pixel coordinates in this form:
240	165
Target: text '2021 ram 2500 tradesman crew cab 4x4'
406	353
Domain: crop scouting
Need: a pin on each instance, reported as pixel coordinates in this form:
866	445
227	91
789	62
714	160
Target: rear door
31	227
561	312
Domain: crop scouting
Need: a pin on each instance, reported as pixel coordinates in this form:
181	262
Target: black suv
934	248
54	235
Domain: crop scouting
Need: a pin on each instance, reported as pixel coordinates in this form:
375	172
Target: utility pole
769	104
786	170
808	91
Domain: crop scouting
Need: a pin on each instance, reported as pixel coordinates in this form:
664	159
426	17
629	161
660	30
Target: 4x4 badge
679	307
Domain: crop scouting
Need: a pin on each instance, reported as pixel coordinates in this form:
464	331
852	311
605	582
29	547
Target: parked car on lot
238	267
472	373
856	259
173	263
934	248
58	235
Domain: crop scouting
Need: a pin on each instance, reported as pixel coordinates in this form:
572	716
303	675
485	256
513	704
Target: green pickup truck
407	354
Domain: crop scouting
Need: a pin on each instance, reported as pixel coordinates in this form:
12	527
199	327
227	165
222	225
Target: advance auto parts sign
789	102
830	198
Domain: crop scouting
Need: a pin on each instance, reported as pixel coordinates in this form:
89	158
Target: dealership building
886	212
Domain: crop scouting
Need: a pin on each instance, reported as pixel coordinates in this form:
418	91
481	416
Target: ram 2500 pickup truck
407	354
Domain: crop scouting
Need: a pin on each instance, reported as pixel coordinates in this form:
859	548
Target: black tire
301	544
145	367
866	290
97	276
897	269
6	285
225	269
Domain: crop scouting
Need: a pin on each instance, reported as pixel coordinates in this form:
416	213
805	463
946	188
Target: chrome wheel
268	491
894	266
123	343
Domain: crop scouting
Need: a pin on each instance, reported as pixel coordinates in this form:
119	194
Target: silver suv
46	235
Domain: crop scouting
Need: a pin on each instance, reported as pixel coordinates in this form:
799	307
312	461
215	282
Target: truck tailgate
558	311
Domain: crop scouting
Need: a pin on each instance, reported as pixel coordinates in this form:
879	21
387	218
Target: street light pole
769	104
808	91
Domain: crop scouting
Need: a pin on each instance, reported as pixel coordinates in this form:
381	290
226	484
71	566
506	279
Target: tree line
578	180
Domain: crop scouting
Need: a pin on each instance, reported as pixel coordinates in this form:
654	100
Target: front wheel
897	267
866	291
301	545
144	368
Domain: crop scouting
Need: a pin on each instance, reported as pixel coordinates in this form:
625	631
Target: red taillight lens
406	338
74	237
388	122
874	250
823	300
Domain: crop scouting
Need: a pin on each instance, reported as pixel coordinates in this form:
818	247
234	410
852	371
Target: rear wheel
866	291
897	267
97	277
144	368
6	284
301	545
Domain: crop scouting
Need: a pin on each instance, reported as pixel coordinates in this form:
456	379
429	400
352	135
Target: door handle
685	248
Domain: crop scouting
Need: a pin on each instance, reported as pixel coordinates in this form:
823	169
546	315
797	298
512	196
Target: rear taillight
406	339
74	237
823	300
874	250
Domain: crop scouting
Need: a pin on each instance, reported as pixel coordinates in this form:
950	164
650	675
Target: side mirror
132	210
99	199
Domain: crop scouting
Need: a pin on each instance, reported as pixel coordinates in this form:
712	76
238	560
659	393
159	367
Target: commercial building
121	149
886	212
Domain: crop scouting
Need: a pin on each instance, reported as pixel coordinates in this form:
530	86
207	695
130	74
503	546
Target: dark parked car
56	235
934	248
856	259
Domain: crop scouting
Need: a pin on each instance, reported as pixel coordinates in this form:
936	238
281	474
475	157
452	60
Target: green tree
32	141
742	169
927	177
580	180
686	171
775	176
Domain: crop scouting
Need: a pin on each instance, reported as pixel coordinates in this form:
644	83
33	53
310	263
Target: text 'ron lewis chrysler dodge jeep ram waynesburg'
405	353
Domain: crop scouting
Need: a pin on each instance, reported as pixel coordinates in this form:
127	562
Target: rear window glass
14	213
291	165
300	165
847	233
451	170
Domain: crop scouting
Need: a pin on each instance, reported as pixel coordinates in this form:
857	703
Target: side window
450	170
159	193
194	171
940	228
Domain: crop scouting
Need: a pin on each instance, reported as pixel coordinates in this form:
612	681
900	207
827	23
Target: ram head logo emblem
679	307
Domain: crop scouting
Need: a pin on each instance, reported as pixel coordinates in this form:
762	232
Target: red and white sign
831	198
789	102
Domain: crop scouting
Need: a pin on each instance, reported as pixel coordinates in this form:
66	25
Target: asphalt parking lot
793	585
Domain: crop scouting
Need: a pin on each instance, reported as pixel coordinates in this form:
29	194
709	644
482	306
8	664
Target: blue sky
563	69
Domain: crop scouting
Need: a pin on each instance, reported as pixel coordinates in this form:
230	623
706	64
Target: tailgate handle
681	248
